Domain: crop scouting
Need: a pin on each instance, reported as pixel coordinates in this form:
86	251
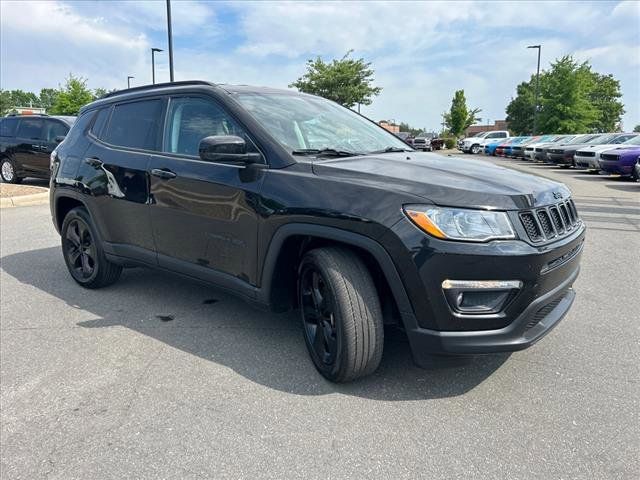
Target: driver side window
191	119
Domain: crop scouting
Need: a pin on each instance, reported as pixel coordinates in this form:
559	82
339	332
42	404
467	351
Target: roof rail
158	85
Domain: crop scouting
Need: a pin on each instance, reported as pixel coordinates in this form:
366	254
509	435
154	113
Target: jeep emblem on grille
557	195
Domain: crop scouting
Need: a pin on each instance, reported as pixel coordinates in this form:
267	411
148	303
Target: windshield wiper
325	152
390	150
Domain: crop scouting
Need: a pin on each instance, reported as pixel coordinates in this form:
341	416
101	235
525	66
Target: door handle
163	173
36	147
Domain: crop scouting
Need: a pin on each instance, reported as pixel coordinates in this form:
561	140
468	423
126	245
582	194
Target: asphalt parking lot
160	377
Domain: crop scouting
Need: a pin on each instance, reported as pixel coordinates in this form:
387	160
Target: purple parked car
621	160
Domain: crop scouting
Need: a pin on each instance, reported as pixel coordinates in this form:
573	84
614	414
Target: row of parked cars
425	142
613	153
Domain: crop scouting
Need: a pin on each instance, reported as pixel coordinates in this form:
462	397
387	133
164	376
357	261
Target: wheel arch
279	272
63	203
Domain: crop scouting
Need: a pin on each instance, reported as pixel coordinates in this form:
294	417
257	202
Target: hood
447	181
601	148
630	150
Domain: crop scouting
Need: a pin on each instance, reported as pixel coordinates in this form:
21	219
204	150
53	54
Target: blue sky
421	52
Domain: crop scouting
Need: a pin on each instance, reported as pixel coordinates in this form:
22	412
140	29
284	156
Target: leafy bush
449	142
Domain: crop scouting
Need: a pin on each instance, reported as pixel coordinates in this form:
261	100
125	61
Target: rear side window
53	129
79	127
30	128
100	122
135	125
8	127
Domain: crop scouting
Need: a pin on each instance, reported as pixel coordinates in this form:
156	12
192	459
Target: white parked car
476	144
588	157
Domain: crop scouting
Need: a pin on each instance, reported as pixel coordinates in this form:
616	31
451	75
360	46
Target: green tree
20	98
637	128
521	109
6	102
573	99
99	93
565	105
605	97
346	81
72	97
47	98
405	127
460	117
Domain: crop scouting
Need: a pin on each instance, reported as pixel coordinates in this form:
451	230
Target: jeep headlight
460	224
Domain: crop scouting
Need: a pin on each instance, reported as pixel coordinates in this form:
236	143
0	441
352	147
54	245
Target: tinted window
135	125
101	119
78	128
53	129
30	128
8	127
192	119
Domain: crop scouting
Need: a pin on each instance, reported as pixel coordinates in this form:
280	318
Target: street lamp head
533	46
157	50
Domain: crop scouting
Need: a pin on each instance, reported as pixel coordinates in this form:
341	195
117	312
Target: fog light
480	296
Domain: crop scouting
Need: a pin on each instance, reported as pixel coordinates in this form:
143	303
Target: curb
25	200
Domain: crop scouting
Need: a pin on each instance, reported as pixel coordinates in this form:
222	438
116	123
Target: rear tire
341	314
8	171
83	253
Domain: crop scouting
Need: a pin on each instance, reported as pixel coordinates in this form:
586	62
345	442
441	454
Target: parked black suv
291	201
26	143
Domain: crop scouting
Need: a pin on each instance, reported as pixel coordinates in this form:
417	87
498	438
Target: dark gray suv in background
26	143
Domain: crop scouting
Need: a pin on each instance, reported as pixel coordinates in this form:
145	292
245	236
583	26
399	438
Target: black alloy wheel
83	252
317	303
80	250
341	314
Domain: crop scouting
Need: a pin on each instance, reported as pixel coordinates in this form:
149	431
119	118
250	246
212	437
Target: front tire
83	253
475	149
341	314
8	171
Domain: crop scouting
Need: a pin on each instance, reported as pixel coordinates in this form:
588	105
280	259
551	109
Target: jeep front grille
547	223
586	154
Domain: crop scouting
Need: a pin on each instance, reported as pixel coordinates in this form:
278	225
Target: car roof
164	88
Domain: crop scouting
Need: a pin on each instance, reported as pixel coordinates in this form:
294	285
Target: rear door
53	129
114	171
203	213
28	151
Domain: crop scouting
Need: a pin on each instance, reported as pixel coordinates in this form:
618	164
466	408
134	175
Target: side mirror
59	138
226	149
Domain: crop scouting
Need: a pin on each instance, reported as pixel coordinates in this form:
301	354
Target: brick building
497	125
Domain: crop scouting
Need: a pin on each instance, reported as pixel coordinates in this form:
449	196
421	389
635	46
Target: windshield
602	139
301	122
623	138
634	141
581	139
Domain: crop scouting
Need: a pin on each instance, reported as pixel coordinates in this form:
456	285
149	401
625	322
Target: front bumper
535	322
560	158
616	167
590	163
547	273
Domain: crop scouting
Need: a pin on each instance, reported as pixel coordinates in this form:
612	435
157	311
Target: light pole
129	81
170	40
535	112
153	64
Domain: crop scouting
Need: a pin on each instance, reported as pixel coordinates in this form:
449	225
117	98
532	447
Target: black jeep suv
26	143
292	201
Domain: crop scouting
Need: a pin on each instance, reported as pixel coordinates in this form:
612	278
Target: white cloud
421	51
